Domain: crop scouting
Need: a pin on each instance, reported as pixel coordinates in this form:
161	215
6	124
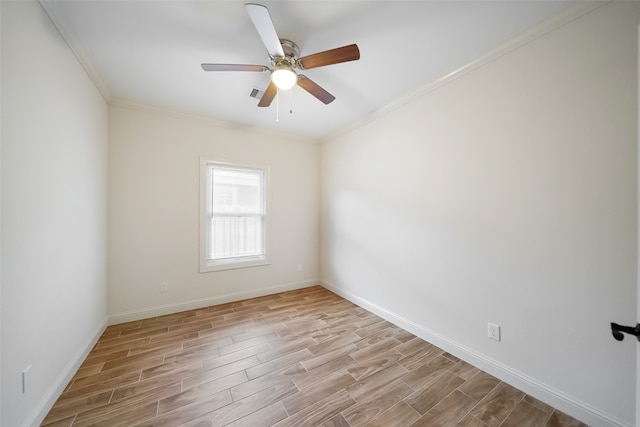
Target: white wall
54	195
154	212
507	195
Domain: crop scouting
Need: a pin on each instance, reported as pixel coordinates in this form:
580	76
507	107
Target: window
233	215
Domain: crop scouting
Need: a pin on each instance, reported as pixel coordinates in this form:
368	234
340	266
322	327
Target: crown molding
582	8
57	16
227	124
60	21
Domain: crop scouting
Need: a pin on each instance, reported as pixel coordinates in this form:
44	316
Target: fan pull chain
291	101
278	104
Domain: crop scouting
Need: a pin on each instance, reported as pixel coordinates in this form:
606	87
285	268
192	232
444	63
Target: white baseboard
57	387
547	394
146	313
53	393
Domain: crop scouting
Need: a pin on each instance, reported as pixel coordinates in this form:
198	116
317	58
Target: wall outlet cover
493	331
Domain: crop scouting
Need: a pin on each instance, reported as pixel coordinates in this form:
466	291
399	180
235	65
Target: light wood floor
306	357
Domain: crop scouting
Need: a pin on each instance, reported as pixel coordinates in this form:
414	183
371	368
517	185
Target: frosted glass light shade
284	78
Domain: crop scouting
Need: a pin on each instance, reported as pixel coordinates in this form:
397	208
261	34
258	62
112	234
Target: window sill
209	266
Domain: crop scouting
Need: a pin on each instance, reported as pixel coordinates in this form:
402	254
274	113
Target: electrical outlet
164	287
26	379
299	267
494	331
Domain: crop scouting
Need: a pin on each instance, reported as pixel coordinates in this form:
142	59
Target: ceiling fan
285	60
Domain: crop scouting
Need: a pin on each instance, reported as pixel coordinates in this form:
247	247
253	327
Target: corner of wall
57	387
521	381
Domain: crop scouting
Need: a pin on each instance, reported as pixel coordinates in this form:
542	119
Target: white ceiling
150	52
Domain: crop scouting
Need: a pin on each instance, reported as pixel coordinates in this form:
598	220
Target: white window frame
208	265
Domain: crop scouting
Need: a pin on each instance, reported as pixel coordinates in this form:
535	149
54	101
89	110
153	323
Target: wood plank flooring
301	358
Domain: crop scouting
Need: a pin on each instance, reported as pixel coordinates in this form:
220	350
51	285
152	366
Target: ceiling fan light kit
283	75
285	61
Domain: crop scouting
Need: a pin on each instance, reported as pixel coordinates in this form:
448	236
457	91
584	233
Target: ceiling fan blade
269	94
328	57
234	67
314	89
259	14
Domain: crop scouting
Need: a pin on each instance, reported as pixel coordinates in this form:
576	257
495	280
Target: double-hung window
233	215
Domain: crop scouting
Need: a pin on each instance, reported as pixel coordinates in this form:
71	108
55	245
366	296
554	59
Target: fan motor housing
291	50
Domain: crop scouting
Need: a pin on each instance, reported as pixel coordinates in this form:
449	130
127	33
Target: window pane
236	236
237	191
236	214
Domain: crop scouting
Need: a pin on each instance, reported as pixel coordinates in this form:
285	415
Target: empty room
322	213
